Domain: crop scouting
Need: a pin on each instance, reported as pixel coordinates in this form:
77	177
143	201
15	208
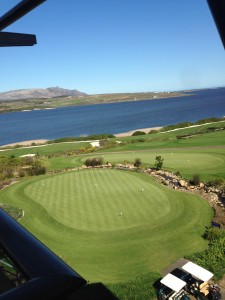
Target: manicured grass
46	149
209	163
183	131
77	214
62	162
168	140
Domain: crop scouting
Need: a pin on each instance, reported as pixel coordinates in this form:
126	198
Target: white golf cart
172	288
200	286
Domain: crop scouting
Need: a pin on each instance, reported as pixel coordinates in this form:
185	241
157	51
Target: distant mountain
51	92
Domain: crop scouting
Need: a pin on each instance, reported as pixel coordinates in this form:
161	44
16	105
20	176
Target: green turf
208	162
168	140
100	205
182	131
45	149
77	214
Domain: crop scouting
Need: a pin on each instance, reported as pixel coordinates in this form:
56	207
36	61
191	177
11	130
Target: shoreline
26	143
129	133
40	142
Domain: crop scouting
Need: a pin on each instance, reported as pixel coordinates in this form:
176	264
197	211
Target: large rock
183	183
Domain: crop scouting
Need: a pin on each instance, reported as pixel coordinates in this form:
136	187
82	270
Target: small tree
158	162
137	162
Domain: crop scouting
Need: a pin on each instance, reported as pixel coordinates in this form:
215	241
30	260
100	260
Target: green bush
158	162
138	133
97	161
179	125
154	131
37	168
195	179
82	138
178	174
14	212
187	124
140	140
209	120
137	162
213	258
217	182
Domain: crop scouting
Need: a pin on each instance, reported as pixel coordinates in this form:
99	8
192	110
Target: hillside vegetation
43	103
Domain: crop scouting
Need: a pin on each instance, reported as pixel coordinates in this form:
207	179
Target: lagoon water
110	118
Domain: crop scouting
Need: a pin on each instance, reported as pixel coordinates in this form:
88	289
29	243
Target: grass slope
45	149
77	215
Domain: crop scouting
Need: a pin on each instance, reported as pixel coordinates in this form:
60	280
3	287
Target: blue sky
107	46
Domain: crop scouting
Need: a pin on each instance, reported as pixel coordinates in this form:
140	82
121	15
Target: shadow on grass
93	291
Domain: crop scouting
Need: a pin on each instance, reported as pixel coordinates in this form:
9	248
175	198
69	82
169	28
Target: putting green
207	162
78	215
100	200
185	161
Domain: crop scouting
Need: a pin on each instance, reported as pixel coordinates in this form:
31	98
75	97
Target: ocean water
110	118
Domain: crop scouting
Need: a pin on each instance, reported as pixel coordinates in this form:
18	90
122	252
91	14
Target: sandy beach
26	143
129	133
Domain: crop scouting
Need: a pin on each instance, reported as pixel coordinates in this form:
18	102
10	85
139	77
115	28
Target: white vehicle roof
173	282
197	271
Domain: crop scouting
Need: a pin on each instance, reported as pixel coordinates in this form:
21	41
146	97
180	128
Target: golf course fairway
111	225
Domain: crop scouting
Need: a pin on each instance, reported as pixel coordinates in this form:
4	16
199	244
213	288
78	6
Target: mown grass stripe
158	226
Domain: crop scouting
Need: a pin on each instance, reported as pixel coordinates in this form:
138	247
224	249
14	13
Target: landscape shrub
213	258
179	125
2	177
13	211
188	124
208	120
137	162
212	129
28	160
138	141
21	172
217	182
158	162
138	133
105	144
37	168
82	138
8	173
89	149
88	162
154	131
195	179
97	161
177	173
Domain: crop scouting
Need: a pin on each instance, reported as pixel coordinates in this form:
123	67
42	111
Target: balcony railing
43	275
